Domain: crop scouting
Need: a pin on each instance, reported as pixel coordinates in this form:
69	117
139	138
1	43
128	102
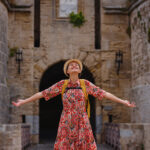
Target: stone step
50	147
104	147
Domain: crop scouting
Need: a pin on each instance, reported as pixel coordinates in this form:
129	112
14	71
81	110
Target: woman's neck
73	78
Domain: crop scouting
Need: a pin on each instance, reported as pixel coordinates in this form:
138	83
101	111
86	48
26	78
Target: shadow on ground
45	146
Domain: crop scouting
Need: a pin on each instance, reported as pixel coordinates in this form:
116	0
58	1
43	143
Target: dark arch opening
50	111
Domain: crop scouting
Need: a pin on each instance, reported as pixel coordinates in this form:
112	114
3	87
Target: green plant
129	31
144	27
133	27
139	15
77	19
142	146
12	51
149	35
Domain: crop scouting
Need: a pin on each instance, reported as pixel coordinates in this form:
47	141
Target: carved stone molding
126	10
16	6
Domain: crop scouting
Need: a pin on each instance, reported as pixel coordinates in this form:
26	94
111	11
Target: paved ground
50	147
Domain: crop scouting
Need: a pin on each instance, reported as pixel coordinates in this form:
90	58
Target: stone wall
140	25
60	41
134	136
10	137
20	35
115	3
114	38
4	93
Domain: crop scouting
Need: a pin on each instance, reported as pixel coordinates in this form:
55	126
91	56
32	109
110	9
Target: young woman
74	132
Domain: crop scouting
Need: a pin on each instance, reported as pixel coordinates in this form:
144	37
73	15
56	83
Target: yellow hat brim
68	62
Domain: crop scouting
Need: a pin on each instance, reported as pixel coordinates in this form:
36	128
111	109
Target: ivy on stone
77	19
149	35
139	15
12	51
128	30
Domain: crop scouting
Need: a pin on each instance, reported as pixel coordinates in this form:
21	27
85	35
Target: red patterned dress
74	131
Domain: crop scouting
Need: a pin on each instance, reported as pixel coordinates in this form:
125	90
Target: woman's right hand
18	103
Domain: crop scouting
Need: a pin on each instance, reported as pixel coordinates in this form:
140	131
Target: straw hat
68	62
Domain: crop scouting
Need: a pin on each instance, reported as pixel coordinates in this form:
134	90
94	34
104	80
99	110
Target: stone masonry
10	137
140	25
4	93
134	136
61	41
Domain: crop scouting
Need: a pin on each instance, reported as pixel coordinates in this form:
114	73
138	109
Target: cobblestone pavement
50	147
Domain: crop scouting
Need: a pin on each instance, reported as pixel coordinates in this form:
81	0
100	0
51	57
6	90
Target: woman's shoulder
87	82
61	82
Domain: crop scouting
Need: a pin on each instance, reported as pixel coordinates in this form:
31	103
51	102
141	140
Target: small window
97	24
64	7
23	119
36	23
109	118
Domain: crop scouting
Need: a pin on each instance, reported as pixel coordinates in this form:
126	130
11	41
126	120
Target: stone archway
50	111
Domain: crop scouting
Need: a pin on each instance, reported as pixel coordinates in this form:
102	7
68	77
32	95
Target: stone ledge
98	51
134	135
16	8
123	10
14	136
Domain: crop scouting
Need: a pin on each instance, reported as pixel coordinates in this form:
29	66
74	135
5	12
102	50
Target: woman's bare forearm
114	98
34	97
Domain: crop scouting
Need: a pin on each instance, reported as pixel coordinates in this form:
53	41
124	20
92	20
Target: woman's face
73	67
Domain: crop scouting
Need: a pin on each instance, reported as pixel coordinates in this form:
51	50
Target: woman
74	132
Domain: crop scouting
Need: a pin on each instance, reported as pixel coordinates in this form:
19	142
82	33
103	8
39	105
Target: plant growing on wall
12	51
133	27
129	31
144	27
149	35
142	146
77	19
139	15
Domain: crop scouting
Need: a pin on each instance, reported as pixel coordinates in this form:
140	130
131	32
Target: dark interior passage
50	111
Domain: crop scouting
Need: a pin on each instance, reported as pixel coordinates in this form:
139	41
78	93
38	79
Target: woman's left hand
129	104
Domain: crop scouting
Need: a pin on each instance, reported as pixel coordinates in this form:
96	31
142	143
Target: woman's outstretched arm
47	94
100	93
117	99
34	97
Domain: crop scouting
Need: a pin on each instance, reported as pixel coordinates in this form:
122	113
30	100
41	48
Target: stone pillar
4	96
140	51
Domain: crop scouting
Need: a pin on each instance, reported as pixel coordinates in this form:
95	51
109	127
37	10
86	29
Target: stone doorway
50	111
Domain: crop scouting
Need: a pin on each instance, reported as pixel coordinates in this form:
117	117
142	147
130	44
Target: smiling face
73	67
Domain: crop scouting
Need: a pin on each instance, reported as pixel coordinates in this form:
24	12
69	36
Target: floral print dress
74	131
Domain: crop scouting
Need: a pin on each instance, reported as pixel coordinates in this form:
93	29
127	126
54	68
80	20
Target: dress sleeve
94	90
53	90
